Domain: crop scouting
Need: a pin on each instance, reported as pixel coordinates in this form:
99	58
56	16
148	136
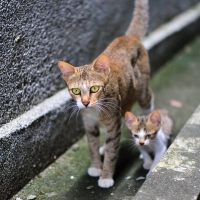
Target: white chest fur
92	117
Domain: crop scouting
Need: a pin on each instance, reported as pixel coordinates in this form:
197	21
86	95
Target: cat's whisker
107	98
114	105
110	102
104	110
98	109
77	115
131	143
109	106
72	113
71	106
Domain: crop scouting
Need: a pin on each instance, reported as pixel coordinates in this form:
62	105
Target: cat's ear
130	119
102	64
66	69
155	118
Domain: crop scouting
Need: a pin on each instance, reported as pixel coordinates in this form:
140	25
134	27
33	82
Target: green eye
76	91
94	89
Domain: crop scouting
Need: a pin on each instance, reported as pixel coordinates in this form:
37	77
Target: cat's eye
148	136
94	89
76	91
136	136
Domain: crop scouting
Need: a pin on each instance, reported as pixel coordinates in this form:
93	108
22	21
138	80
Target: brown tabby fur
122	74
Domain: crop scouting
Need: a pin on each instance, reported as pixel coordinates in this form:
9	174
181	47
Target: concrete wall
36	34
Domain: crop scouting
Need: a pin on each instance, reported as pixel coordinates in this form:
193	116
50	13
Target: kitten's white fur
157	146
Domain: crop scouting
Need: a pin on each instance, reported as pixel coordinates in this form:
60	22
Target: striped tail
139	24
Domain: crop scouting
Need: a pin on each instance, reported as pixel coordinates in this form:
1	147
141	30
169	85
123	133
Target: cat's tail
139	24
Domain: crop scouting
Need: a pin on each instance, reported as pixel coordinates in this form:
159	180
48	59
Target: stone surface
36	34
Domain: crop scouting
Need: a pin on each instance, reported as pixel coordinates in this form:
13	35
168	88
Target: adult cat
105	89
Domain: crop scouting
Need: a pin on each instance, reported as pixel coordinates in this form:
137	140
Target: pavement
176	88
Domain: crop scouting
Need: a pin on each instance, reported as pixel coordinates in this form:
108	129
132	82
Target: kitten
151	135
106	88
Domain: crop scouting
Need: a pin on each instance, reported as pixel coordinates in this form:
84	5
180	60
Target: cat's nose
85	103
141	143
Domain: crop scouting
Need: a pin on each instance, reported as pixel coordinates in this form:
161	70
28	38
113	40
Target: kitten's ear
155	118
102	64
66	69
130	119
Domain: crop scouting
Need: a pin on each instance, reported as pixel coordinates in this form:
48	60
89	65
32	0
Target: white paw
92	171
105	183
102	150
141	157
147	165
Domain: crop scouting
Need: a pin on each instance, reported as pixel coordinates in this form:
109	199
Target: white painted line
175	25
26	119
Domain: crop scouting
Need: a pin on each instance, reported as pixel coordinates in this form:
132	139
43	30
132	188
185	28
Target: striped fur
121	74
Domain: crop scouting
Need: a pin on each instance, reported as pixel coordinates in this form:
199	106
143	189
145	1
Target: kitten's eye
76	91
148	136
136	136
94	89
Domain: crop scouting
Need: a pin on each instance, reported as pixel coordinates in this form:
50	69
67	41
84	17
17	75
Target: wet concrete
67	177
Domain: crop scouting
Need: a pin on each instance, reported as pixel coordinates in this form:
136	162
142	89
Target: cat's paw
102	150
105	183
95	172
141	157
147	165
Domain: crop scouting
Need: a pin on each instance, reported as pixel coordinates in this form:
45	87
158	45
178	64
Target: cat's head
86	83
143	129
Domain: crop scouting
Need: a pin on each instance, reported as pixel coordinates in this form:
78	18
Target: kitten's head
143	129
86	83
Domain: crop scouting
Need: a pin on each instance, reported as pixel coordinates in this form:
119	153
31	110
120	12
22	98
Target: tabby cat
106	88
151	134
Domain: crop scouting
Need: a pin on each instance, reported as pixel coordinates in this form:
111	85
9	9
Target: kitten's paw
102	150
92	171
147	165
105	183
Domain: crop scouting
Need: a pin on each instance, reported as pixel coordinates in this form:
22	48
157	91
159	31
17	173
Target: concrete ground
67	178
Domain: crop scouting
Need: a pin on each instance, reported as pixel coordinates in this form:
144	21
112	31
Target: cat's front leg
111	152
93	141
147	159
158	155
